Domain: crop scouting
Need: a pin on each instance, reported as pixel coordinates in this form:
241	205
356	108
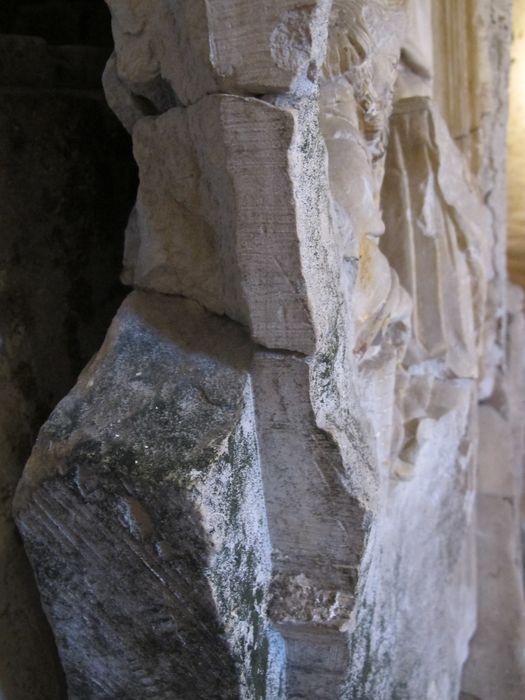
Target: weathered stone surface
233	46
153	455
421	549
316	527
234	217
307	171
440	249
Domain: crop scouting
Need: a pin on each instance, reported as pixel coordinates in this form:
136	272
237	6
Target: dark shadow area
67	184
60	22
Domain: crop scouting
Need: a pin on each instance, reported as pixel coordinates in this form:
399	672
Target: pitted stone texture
141	510
286	46
234	46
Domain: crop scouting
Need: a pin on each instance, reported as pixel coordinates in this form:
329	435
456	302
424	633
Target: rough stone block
233	46
147	480
230	213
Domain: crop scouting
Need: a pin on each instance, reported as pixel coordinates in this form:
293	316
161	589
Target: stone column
264	484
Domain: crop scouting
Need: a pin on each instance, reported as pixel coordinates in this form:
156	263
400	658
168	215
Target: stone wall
293	469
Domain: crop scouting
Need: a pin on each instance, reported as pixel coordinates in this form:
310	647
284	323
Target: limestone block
416	610
364	39
287	43
416	68
316	527
456	71
438	238
356	89
147	480
231	213
495	473
226	46
471	56
471	71
291	514
124	104
516	388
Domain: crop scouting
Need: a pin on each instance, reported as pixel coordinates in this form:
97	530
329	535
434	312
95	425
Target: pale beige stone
516	144
437	240
228	215
234	46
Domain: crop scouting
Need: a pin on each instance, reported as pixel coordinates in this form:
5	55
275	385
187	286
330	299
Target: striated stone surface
195	47
440	249
286	436
316	527
239	198
153	455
